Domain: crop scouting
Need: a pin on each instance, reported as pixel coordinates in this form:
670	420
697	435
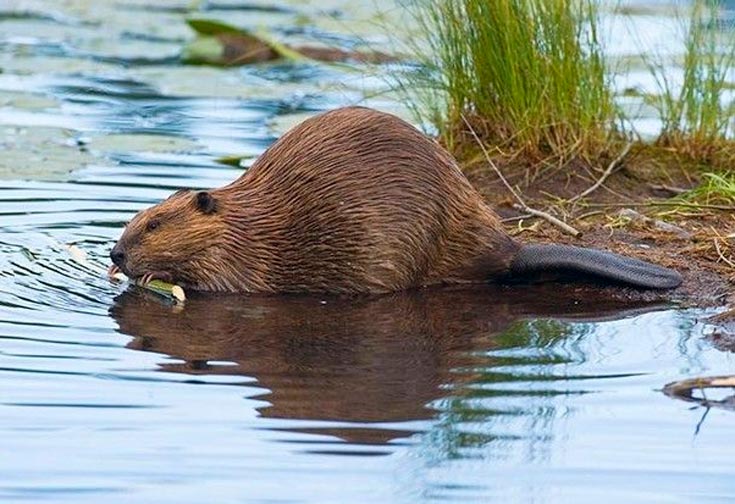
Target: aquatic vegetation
218	43
526	75
695	117
530	79
222	44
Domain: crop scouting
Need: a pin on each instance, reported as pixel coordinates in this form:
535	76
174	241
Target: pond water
500	394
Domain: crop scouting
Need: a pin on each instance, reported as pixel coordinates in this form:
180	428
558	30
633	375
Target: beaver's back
358	200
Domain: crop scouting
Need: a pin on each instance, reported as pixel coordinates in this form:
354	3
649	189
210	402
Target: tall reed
696	118
526	75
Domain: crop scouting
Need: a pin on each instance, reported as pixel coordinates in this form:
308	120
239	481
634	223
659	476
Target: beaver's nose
117	255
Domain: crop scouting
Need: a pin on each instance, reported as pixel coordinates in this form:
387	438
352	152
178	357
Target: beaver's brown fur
350	201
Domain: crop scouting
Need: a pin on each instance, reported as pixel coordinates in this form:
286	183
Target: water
527	394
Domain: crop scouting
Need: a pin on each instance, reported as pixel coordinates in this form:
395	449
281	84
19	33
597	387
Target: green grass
695	119
715	189
530	79
526	75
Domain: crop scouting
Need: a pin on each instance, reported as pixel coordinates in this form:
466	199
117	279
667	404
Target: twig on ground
632	216
516	218
550	218
521	205
589	214
721	255
608	171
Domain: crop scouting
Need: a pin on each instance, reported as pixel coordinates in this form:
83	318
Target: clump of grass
715	189
695	118
528	80
527	76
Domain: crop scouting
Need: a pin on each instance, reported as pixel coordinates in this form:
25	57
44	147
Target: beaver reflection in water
350	201
372	359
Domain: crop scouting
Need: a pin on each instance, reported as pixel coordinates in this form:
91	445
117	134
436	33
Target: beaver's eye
152	225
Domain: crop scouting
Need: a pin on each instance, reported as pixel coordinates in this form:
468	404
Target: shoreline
637	211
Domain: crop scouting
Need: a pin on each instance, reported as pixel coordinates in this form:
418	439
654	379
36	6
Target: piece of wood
175	292
521	205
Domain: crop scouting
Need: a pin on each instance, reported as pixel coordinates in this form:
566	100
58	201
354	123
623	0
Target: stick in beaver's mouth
114	273
148	281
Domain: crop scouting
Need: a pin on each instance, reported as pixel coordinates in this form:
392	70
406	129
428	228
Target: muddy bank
638	211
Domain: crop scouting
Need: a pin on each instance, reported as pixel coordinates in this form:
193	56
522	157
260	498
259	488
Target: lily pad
27	101
220	83
39	153
142	143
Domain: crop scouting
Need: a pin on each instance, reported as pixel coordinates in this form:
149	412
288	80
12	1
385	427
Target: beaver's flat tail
565	258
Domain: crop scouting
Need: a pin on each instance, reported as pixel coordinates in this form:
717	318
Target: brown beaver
350	201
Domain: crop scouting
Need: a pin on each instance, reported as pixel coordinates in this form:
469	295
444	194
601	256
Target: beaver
350	201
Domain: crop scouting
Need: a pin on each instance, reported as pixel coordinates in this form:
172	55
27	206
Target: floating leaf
219	43
212	27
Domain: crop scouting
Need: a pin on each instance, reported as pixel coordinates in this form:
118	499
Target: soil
632	213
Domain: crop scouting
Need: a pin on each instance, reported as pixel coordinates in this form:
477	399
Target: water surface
498	394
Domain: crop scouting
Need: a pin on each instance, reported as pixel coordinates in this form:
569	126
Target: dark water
543	394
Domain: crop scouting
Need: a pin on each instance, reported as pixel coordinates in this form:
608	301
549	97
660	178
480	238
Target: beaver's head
173	241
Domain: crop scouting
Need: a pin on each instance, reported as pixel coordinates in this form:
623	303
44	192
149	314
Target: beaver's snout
117	254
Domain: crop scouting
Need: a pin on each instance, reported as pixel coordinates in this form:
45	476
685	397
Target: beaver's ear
206	203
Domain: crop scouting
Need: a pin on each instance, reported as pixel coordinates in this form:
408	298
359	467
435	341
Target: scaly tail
542	258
